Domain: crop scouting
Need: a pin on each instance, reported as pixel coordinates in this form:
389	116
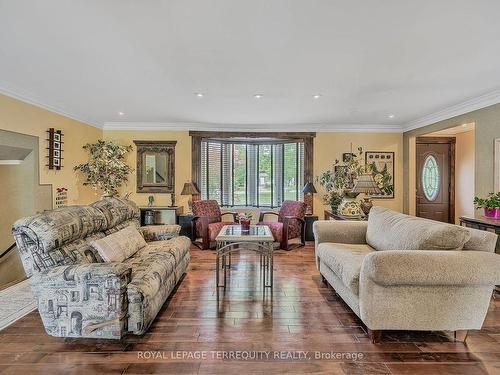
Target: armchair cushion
120	245
291	212
160	232
276	229
460	268
215	228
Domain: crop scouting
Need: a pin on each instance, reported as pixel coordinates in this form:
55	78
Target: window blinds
251	174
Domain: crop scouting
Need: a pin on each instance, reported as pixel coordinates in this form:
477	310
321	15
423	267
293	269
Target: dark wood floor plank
301	315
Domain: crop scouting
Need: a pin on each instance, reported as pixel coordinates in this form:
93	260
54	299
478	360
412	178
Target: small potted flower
245	220
491	205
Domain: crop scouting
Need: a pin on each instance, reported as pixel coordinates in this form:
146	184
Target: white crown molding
185	126
36	103
467	106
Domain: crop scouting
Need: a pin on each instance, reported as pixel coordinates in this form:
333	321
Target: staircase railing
8	250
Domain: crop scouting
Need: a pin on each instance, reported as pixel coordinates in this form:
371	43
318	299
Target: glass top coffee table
233	238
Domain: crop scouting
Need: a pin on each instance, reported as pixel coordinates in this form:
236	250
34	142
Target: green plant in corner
492	201
106	169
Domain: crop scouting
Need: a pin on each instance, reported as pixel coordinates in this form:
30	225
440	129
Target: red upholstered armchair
207	222
290	224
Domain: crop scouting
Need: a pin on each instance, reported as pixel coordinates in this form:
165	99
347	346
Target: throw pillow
120	245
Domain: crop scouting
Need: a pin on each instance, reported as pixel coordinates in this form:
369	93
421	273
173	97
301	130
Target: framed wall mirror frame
155	166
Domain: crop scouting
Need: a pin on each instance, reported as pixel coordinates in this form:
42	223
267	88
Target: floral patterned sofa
81	296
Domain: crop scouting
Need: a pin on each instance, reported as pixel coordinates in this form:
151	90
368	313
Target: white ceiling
91	59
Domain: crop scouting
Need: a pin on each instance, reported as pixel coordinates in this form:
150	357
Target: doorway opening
442	175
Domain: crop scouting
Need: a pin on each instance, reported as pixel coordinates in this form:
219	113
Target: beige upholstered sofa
399	272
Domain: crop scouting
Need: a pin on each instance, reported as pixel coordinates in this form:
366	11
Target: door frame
451	191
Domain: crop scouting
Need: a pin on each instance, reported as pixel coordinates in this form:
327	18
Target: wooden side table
185	220
160	214
482	223
310	219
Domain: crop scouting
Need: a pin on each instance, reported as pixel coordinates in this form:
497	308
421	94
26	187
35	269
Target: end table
310	219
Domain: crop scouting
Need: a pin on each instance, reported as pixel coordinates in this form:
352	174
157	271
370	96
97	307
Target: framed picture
57	137
382	167
57	153
57	162
347	157
57	145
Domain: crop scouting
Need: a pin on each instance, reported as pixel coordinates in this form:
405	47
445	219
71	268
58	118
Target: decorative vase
492	213
245	224
366	205
350	207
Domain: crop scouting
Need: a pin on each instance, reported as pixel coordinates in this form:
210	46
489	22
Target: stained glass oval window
430	178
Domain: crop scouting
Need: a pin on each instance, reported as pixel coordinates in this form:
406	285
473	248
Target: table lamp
366	184
190	189
308	191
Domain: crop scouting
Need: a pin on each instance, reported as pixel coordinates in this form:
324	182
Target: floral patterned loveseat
81	296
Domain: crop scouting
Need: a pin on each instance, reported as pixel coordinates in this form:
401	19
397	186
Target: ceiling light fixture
317	96
121	113
391	116
258	96
199	95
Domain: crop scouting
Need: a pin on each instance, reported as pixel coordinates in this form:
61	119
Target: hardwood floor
302	315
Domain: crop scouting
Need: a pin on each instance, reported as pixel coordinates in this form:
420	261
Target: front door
435	179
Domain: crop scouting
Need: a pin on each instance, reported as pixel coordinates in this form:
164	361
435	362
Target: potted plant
106	169
244	220
338	183
491	205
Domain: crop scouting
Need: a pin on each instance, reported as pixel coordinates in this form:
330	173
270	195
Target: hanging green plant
106	169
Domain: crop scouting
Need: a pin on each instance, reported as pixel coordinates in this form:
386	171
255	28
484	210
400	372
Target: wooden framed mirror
155	166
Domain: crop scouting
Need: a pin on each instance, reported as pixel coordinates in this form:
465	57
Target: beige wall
487	128
16	191
464	172
182	162
20	117
24	118
329	146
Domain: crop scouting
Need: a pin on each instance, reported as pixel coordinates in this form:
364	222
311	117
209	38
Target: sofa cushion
154	274
52	229
345	261
120	245
391	230
116	210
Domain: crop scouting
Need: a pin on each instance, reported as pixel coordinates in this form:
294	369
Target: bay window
251	171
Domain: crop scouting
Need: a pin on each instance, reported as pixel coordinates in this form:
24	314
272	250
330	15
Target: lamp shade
366	184
190	189
309	188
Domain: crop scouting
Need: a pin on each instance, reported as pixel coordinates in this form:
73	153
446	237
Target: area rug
16	301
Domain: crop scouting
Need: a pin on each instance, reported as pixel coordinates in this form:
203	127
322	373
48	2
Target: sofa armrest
353	232
430	267
93	296
61	276
160	232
